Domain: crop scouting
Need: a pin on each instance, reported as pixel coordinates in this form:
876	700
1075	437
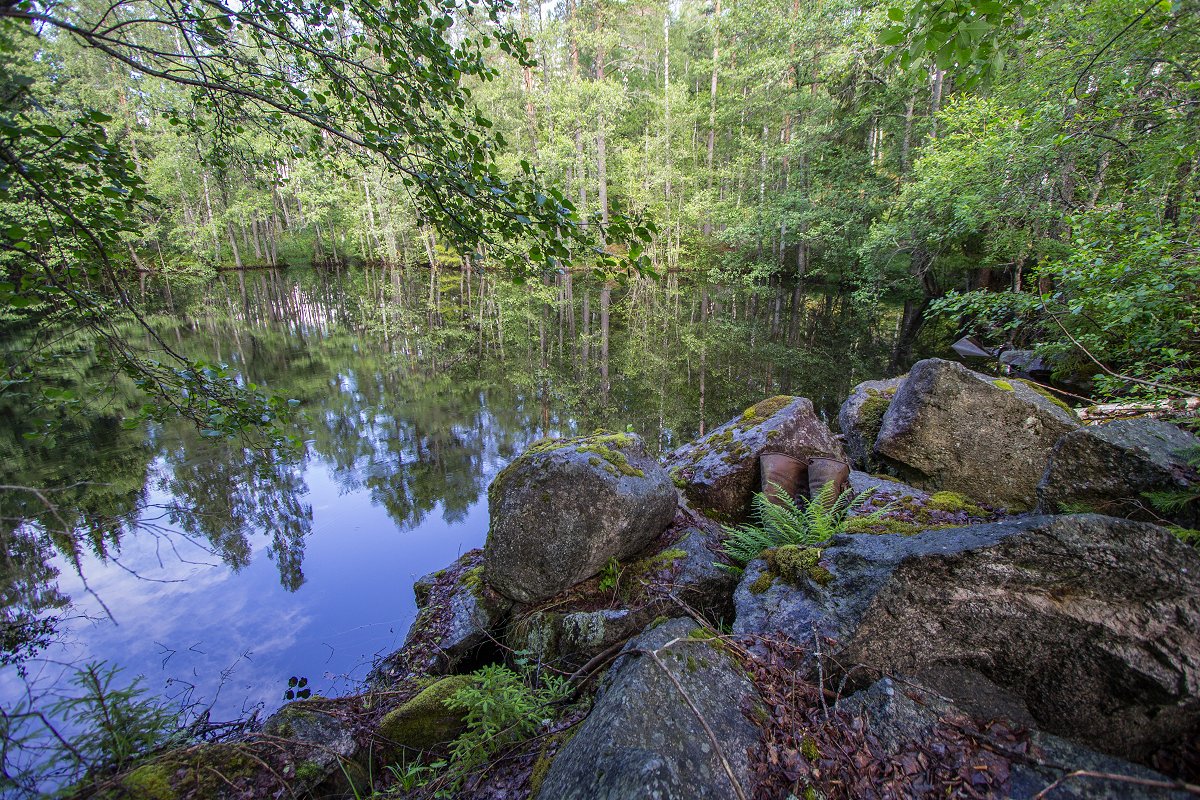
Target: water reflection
229	568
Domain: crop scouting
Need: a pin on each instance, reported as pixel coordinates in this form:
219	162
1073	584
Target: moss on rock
1048	395
766	408
1004	385
425	721
796	564
207	770
151	782
871	413
309	772
883	526
955	502
639	572
763	582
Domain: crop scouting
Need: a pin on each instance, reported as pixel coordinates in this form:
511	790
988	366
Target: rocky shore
1008	614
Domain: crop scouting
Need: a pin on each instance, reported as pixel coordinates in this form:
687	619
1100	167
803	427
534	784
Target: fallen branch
1105	367
1108	776
712	737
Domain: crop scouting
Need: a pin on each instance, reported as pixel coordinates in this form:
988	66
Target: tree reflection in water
412	390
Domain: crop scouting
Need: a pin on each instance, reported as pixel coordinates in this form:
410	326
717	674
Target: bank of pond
995	600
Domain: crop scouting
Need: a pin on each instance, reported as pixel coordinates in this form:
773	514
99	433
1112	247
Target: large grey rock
1094	622
889	490
861	417
1108	468
457	613
565	507
642	740
954	429
904	718
719	473
568	630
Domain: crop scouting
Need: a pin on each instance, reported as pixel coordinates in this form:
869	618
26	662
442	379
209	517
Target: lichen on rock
563	509
720	472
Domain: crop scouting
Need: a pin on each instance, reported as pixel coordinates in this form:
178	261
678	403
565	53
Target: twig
1103	366
820	672
737	787
1108	776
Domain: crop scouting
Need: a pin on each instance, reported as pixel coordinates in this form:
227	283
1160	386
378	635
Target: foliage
109	727
1125	294
610	575
969	34
783	521
502	707
1177	500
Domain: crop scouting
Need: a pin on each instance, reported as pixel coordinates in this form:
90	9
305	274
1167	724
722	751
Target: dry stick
1103	366
820	672
1091	400
737	787
1107	776
596	661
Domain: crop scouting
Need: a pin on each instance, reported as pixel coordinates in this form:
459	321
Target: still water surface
218	571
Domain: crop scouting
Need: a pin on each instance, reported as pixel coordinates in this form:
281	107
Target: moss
796	564
425	721
601	443
872	411
207	770
736	454
767	408
702	633
661	560
150	781
659	620
283	729
616	459
640	573
883	526
542	765
809	749
309	772
810	793
1048	395
1005	385
677	478
473	578
763	582
886	477
474	581
1186	535
954	502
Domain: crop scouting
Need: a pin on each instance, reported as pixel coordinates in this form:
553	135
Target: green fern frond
1171	501
1190	456
783	521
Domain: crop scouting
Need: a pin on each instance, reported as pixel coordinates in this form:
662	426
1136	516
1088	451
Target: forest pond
219	571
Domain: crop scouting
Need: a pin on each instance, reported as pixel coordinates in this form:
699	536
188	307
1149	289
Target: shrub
502	706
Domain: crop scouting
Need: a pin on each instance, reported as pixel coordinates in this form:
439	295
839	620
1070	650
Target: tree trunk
712	109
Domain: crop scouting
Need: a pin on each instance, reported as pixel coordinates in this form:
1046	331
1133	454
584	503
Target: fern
1171	501
783	521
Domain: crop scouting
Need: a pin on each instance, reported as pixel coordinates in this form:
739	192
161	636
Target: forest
1022	171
